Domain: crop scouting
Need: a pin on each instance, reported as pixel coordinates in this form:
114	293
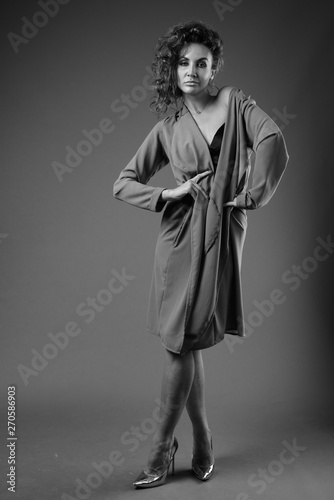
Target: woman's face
194	69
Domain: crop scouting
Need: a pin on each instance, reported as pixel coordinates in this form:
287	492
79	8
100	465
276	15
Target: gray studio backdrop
76	264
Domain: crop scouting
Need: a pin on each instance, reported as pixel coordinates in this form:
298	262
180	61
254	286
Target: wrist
166	195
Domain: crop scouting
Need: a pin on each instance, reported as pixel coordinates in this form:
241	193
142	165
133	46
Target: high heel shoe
149	480
203	472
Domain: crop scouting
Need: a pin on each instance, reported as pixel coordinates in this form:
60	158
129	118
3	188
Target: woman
195	296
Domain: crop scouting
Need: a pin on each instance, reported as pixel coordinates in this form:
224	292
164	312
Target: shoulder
223	95
162	131
166	124
160	125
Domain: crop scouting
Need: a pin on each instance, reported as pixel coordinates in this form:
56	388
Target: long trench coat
196	296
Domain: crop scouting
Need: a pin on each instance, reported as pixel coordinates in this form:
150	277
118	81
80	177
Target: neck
197	102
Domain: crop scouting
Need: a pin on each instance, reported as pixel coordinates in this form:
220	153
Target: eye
183	63
202	65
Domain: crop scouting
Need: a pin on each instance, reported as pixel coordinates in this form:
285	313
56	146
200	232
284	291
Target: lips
191	81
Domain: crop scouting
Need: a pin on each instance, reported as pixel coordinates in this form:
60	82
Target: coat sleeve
131	184
271	156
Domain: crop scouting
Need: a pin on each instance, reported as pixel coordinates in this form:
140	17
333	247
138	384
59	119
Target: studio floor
96	451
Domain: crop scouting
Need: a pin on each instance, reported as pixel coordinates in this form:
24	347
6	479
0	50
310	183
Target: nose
191	70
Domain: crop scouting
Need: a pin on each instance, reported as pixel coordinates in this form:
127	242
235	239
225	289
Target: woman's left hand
231	203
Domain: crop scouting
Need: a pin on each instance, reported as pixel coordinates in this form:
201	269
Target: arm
267	142
131	184
189	187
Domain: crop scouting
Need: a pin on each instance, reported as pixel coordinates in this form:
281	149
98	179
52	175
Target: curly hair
167	52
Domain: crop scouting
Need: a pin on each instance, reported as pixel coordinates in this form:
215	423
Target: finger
198	177
202	174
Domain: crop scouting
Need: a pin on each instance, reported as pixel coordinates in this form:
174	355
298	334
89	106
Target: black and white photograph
166	250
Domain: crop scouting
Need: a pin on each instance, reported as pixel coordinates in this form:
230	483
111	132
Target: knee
176	358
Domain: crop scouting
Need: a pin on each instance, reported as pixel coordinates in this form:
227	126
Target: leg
197	413
196	404
176	384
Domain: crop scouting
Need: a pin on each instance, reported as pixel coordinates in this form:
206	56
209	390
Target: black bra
217	140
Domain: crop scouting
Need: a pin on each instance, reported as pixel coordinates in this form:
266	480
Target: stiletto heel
149	480
173	465
203	472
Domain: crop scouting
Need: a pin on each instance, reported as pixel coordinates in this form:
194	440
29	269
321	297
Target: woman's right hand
189	187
